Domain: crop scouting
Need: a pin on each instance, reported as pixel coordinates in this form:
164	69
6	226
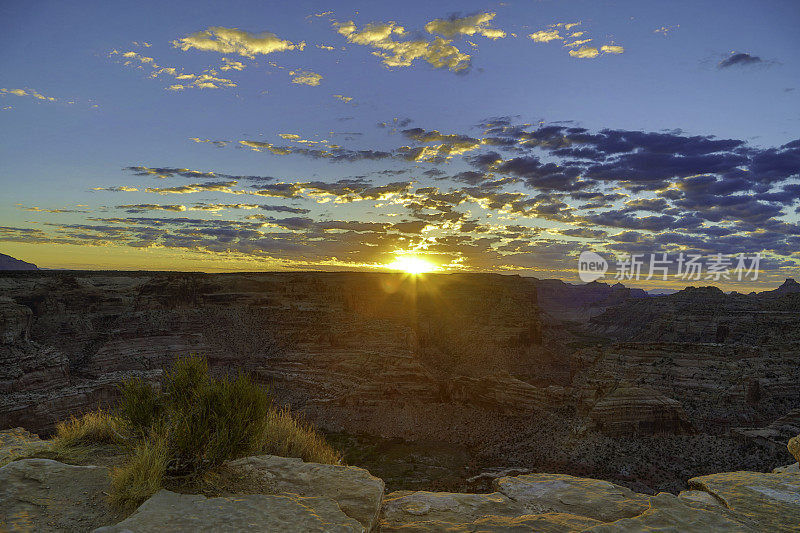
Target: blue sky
74	116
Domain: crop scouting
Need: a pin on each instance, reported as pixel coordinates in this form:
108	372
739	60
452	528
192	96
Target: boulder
191	513
559	493
794	447
17	442
43	495
770	501
358	493
668	513
793	468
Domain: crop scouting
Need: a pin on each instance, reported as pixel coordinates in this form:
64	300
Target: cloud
141	208
545	36
471	25
740	59
118	188
440	53
304	77
577	41
664	30
236	41
585	52
207	79
229	64
219	186
612	49
33	93
345	99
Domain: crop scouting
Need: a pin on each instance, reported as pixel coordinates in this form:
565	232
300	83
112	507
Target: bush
185	380
140	405
142	475
225	419
95	427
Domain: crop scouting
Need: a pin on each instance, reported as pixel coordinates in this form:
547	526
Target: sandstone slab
17	442
191	513
358	493
43	495
770	501
668	513
559	493
424	511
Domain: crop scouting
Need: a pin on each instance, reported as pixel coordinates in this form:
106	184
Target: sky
475	136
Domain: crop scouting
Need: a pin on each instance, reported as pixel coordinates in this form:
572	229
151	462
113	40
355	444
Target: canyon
485	374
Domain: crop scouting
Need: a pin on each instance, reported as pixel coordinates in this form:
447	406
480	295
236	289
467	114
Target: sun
411	264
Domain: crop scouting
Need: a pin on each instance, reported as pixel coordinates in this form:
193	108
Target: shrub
142	475
225	419
140	405
184	381
95	427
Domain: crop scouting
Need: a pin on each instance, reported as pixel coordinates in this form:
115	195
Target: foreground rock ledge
280	494
43	495
189	513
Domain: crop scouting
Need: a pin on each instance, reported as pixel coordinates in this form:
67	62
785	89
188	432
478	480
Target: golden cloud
585	52
439	52
545	36
472	25
304	77
236	41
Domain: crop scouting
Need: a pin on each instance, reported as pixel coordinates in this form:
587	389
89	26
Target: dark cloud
739	59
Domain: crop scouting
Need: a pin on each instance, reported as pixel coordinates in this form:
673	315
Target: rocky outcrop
189	513
357	493
718	385
44	495
638	410
565	301
503	393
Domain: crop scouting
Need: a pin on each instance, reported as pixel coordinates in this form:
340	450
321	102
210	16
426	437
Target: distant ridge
10	263
789	286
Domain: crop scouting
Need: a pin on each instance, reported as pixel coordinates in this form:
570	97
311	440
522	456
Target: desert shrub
225	419
287	436
185	381
95	427
140	405
142	474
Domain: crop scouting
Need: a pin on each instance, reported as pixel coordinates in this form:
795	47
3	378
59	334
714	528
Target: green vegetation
182	433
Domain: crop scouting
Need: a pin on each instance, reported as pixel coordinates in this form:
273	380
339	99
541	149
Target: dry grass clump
95	427
287	436
142	474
